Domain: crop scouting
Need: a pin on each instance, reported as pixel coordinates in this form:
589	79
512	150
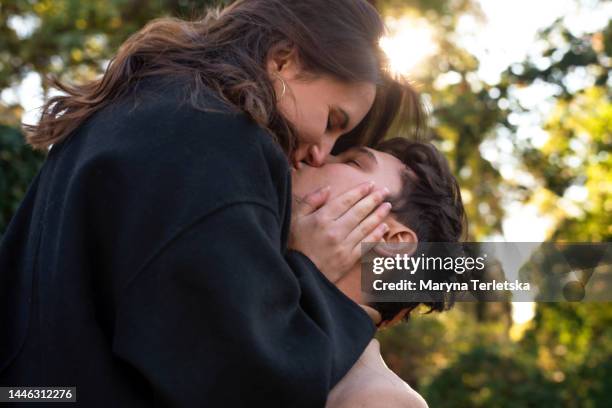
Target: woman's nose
318	153
315	156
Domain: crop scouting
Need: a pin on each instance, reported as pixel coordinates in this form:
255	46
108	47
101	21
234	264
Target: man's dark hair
429	203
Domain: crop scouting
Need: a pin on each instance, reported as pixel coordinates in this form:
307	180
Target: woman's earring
284	86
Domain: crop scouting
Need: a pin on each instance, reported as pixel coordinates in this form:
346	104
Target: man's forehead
366	150
392	167
381	158
386	157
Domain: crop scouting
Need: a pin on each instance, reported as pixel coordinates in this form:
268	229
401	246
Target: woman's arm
189	214
219	318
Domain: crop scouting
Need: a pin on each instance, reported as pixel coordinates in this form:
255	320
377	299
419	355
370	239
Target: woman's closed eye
337	120
332	122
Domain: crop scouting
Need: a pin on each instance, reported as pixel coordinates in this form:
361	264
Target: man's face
342	173
347	170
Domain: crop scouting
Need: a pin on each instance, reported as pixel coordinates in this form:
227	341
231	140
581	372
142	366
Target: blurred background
519	93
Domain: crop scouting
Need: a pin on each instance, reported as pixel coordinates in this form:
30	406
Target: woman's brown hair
226	52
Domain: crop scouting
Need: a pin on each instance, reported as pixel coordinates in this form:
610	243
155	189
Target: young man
427	207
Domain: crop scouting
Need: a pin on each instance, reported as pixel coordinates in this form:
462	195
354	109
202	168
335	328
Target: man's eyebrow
367	152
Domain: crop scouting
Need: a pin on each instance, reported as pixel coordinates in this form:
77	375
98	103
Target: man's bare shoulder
382	394
370	383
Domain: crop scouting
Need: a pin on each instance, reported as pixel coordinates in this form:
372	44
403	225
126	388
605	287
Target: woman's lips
297	165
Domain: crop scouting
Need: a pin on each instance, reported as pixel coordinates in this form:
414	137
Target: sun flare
410	42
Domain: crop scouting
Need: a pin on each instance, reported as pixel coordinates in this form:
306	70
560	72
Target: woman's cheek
313	119
309	136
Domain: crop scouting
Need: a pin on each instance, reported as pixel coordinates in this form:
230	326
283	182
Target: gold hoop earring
284	85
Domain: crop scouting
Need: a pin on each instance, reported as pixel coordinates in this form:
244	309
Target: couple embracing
194	235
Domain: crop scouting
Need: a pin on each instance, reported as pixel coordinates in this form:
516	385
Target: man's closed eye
354	162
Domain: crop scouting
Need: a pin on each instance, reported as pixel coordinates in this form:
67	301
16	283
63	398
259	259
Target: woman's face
320	108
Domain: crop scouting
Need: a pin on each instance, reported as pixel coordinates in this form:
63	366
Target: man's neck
350	284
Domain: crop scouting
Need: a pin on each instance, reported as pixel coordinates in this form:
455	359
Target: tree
18	166
463	112
576	157
488	377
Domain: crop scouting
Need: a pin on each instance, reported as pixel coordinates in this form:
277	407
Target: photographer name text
474	284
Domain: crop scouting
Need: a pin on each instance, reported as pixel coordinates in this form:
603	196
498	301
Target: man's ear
398	240
399	233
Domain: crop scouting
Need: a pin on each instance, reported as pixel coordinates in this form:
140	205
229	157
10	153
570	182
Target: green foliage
486	377
73	39
18	165
463	114
592	384
577	152
572	344
564	359
580	132
417	350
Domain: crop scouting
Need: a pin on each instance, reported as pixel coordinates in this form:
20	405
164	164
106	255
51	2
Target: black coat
147	265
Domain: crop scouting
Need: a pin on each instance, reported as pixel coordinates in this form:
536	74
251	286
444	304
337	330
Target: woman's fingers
368	226
352	219
376	235
310	203
344	202
320	228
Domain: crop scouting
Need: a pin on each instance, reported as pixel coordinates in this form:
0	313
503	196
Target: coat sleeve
220	317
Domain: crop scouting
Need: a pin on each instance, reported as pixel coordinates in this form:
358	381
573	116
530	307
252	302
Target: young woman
148	263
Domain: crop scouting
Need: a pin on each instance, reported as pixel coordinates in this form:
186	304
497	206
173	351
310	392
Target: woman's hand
330	233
